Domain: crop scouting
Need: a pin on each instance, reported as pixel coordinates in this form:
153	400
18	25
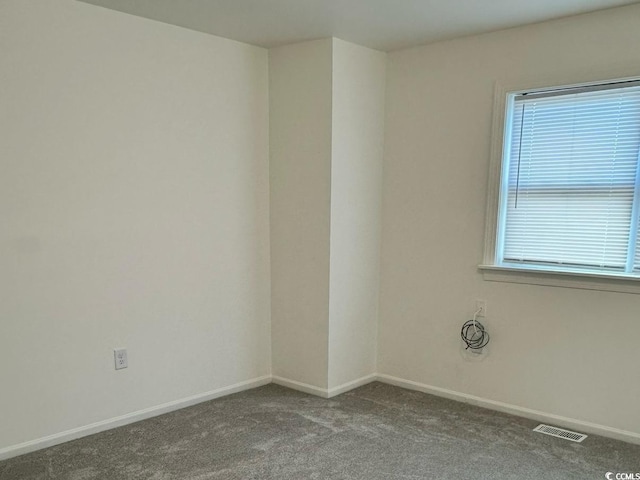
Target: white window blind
570	199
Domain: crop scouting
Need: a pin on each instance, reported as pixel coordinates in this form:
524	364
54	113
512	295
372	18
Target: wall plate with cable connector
481	308
473	356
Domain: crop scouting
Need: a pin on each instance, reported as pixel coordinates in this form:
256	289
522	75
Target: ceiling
380	24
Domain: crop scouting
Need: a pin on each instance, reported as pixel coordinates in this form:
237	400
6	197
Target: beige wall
134	211
135	193
326	133
356	180
566	352
300	141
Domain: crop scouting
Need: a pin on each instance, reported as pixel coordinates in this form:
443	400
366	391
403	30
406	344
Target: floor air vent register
560	433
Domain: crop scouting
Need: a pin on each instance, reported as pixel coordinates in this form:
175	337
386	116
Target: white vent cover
560	433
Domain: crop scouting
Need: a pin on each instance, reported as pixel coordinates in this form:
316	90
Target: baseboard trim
73	434
345	387
323	392
580	425
301	387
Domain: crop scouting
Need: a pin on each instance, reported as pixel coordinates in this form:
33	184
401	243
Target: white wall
134	213
356	181
326	138
134	200
300	79
567	352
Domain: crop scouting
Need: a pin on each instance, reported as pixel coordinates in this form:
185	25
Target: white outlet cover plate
120	358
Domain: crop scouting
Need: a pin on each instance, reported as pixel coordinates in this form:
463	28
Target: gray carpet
374	432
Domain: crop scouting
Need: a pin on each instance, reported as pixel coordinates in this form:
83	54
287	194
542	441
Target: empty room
319	239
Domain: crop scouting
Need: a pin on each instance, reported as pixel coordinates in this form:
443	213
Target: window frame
491	269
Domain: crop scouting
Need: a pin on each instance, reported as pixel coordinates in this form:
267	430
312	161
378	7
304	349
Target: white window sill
609	282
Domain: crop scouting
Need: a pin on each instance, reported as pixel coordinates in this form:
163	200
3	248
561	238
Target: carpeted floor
374	432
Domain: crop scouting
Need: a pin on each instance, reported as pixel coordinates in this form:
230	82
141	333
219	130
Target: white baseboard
582	426
58	438
345	387
301	387
73	434
323	392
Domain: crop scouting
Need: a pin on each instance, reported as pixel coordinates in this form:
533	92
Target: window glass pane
571	178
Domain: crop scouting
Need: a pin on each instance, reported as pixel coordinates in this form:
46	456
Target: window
569	189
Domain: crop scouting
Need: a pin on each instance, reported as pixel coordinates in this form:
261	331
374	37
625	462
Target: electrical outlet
481	308
120	357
